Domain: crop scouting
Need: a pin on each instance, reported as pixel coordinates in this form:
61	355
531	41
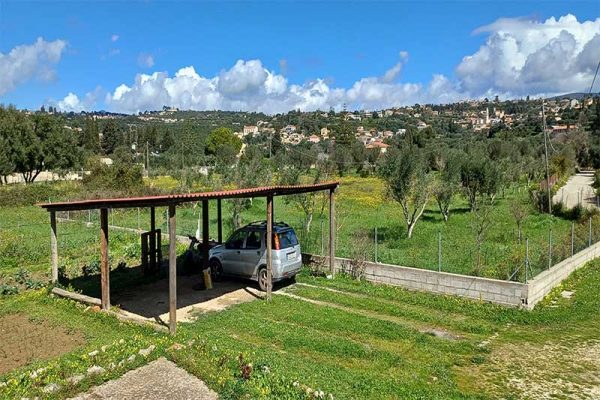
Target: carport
171	202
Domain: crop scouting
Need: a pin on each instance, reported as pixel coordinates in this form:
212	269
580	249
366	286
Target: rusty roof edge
161	200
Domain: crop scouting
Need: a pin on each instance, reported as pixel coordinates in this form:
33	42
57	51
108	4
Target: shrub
6	290
120	177
92	268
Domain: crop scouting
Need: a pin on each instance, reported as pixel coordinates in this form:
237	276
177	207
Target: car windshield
287	239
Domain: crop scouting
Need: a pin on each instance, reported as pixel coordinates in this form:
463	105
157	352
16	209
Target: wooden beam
54	246
104	266
332	232
77	296
172	271
205	234
269	246
219	222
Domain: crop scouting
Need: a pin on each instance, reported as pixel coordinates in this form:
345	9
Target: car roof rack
264	223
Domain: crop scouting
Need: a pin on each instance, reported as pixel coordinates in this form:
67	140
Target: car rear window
287	239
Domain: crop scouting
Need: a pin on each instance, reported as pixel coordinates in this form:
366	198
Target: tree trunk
309	218
411	226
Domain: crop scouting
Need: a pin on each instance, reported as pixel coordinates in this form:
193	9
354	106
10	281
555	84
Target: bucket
207	278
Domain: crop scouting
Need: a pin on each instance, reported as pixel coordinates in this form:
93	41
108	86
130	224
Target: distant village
477	116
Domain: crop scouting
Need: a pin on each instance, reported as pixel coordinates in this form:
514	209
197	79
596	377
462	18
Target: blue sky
108	43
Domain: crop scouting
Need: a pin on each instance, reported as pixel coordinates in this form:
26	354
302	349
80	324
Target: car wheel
216	270
263	282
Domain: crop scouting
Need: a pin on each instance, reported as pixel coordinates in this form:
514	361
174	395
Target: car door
232	256
252	252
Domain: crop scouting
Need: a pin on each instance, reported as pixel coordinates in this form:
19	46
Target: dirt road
577	190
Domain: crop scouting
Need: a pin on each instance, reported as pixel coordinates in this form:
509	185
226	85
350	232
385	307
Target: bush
27	195
120	177
92	268
6	290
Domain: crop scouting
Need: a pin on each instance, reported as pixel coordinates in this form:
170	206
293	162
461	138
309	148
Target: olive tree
408	182
480	178
447	183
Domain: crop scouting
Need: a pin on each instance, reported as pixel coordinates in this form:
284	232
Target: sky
276	56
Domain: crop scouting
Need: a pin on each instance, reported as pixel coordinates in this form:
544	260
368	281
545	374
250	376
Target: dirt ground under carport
151	300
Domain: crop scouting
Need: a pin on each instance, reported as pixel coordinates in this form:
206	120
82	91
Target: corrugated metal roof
164	200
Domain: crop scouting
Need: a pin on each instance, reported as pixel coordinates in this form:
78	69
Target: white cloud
519	57
523	57
26	62
114	37
145	60
71	101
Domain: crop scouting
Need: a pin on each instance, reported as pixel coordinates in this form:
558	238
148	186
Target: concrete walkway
160	379
577	190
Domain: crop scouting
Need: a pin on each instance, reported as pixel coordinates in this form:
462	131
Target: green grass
361	207
362	341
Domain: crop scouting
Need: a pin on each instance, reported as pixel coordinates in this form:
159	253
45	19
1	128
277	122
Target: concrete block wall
544	282
492	290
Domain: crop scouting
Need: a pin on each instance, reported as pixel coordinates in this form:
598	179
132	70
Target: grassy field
345	338
361	207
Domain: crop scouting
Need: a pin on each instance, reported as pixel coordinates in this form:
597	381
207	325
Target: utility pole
546	157
147	157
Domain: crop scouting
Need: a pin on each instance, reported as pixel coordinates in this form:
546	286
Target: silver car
244	255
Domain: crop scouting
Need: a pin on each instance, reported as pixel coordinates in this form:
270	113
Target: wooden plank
54	246
205	233
77	296
104	266
159	247
152	218
332	232
125	316
269	246
152	237
219	222
144	241
172	272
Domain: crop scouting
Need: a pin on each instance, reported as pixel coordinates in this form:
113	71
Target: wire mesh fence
512	257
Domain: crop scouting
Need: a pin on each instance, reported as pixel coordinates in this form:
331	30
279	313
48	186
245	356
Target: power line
594	80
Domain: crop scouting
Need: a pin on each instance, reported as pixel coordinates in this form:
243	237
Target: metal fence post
138	215
572	238
440	251
526	258
549	249
590	235
375	244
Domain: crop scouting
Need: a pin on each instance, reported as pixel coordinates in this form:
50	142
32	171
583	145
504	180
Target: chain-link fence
513	256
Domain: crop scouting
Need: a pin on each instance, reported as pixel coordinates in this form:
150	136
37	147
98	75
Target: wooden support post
205	234
269	246
332	232
159	247
54	246
172	271
219	222
144	241
104	266
152	218
152	237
